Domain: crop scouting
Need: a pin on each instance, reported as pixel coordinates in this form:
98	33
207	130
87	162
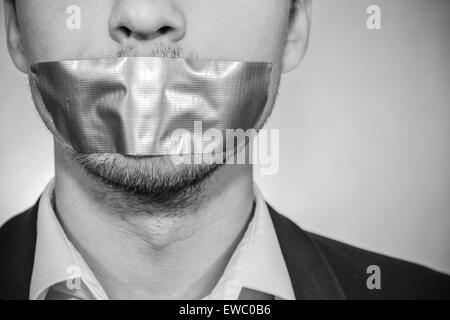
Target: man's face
248	30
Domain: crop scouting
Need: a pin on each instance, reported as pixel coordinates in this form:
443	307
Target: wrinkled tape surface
132	105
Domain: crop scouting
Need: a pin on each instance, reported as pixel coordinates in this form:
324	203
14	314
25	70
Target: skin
138	245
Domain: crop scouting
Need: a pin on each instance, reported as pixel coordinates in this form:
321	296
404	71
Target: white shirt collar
56	261
256	264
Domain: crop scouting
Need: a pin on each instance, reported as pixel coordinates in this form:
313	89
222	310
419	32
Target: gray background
364	126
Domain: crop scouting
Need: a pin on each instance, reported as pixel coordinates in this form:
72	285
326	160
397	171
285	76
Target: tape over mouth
134	105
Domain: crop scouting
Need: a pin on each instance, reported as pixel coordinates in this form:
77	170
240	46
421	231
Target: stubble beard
146	184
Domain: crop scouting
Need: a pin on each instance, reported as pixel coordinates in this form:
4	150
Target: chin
155	179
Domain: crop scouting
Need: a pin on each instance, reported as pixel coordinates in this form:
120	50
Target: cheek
252	30
47	36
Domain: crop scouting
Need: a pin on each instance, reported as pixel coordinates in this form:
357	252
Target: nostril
129	33
164	30
125	31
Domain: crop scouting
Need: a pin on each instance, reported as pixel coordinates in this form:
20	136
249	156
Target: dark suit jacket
320	268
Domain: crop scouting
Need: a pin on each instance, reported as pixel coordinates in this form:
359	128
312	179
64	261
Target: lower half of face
251	30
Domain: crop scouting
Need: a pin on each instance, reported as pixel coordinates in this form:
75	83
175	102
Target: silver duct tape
133	105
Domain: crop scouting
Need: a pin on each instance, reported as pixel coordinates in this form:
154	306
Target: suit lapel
17	247
310	273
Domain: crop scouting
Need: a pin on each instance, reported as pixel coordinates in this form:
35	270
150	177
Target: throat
156	256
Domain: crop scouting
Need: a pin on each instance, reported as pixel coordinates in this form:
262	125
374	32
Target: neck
179	256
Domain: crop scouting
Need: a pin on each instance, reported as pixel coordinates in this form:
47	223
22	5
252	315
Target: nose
133	21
